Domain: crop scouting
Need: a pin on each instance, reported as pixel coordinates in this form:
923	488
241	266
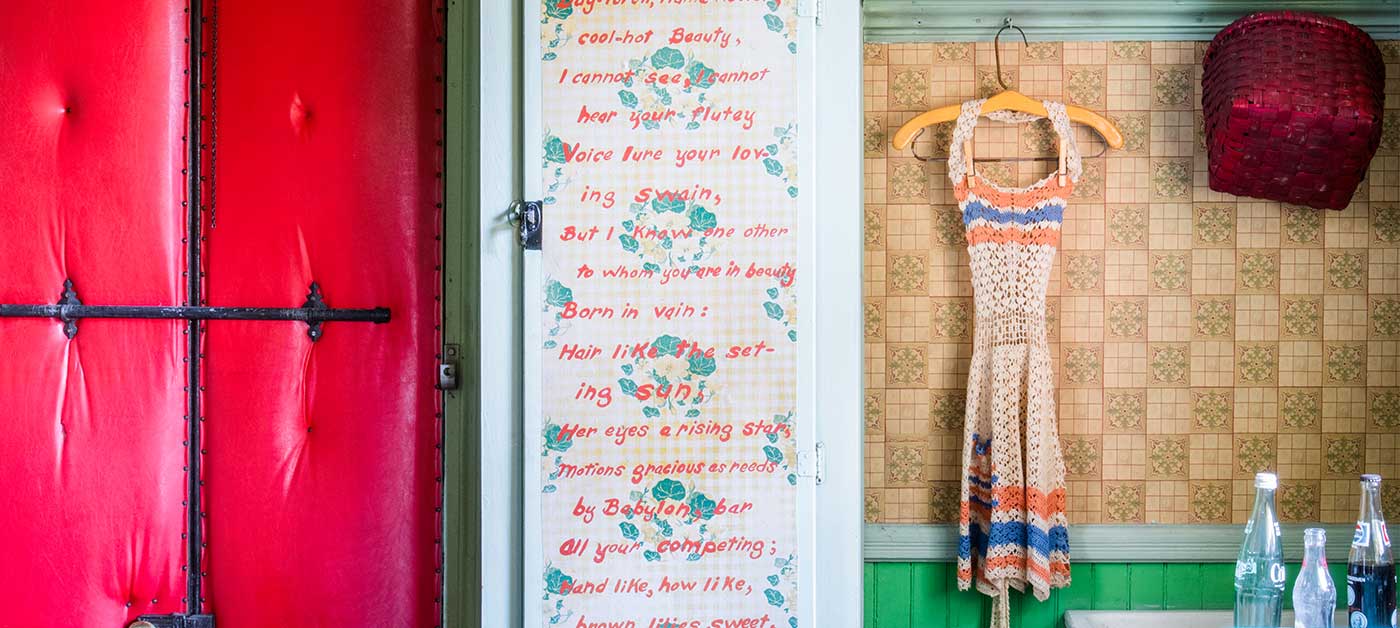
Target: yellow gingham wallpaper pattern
1198	337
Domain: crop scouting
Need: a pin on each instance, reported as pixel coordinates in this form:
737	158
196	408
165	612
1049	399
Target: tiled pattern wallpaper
1198	337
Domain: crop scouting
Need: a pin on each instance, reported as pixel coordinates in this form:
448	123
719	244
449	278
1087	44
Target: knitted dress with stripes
1012	519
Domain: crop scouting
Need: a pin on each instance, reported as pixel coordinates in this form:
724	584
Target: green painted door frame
461	488
482	313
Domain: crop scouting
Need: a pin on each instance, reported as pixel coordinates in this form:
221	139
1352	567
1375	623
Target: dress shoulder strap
967	121
1074	163
962	132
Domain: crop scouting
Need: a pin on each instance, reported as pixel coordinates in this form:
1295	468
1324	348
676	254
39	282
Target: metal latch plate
812	464
448	373
528	218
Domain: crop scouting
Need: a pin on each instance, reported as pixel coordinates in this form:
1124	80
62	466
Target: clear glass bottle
1370	569
1314	594
1259	572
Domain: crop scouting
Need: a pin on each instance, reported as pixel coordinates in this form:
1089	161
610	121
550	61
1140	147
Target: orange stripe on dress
1044	504
1026	199
1039	235
1016	499
1019	563
1002	562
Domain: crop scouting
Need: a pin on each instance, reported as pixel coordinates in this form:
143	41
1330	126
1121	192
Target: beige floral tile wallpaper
1199	337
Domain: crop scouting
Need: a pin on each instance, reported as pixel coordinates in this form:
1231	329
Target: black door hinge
313	312
173	621
527	216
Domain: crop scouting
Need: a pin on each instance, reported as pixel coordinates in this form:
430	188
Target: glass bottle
1314	594
1370	569
1259	572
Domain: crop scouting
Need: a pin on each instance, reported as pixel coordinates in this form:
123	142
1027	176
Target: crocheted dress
1012	521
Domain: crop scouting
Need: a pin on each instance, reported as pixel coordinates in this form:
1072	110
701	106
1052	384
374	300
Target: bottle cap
1266	480
1371	479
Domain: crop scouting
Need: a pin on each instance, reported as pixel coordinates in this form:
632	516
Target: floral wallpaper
1199	337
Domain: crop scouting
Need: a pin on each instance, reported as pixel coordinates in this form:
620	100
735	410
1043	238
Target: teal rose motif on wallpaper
685	507
781	448
667	382
555	157
556	297
555	443
556	12
696	75
653	97
778	24
784	579
557	586
669	233
653	91
559	39
781	157
781	307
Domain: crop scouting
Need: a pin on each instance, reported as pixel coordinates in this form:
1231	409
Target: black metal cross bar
314	312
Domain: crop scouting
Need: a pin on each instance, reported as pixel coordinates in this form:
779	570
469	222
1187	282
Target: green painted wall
926	595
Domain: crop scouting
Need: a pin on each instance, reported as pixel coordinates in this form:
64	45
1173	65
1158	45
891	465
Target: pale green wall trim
1103	543
1099	20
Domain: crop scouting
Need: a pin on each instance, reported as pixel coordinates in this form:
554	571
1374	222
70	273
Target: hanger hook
996	46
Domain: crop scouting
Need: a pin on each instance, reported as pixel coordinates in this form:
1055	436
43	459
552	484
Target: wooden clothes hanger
1007	100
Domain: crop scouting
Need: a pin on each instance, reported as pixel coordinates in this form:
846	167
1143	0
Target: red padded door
322	465
91	428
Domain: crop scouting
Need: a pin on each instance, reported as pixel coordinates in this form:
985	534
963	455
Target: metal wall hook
913	151
996	46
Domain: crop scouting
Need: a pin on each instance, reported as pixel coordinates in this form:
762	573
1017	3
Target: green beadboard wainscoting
911	579
926	595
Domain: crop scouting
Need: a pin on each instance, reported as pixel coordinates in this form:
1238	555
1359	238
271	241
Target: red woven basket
1293	106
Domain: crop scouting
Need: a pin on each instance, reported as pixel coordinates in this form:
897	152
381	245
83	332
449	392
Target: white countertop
1167	619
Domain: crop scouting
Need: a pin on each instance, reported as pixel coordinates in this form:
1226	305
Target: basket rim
1318	20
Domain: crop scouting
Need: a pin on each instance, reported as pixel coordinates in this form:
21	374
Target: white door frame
830	370
835	268
499	290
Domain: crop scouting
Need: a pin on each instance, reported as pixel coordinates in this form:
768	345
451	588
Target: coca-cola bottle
1370	569
1259	572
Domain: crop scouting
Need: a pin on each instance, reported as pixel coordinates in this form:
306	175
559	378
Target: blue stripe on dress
1014	533
987	484
1043	543
975	209
992	505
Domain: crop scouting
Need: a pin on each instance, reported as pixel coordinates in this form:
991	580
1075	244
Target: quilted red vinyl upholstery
322	463
91	430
